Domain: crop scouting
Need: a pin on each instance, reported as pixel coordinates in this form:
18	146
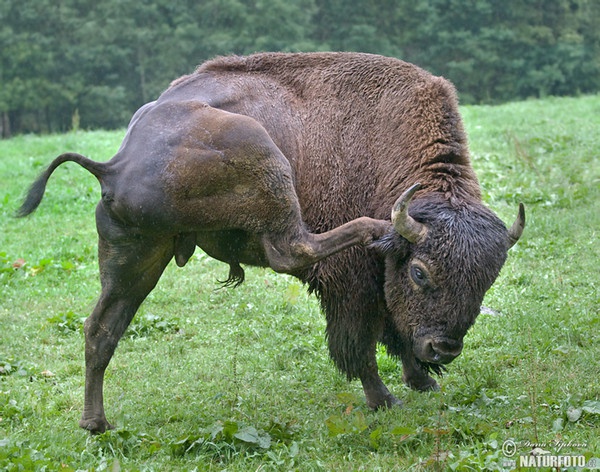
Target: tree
497	51
31	72
99	60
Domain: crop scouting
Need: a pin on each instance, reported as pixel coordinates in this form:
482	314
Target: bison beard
295	162
431	368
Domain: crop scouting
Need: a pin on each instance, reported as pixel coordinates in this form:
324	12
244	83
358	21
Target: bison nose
442	350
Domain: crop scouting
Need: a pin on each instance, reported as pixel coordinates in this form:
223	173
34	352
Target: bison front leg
129	270
299	249
347	286
377	394
416	376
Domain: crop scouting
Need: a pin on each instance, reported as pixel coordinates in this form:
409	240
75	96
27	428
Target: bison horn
405	225
516	230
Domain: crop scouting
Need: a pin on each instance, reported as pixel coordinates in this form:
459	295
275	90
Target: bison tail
37	189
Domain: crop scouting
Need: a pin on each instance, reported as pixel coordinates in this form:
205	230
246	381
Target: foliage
497	51
212	379
66	322
92	64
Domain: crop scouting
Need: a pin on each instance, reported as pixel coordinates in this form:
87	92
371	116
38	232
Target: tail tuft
34	196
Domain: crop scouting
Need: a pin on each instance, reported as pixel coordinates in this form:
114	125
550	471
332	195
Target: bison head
440	260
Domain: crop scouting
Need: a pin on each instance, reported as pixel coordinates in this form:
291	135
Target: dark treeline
91	63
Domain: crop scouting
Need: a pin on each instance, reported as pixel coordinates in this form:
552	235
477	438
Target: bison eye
418	275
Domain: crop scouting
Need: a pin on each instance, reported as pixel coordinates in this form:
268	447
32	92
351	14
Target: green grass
238	380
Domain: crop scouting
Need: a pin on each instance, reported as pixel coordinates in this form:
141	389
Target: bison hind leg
236	276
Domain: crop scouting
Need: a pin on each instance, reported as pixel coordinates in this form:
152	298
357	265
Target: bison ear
392	245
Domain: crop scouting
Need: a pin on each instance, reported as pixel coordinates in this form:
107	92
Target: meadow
239	379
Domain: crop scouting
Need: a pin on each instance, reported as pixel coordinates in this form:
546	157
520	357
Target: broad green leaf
251	435
403	431
375	436
336	425
558	424
591	406
573	414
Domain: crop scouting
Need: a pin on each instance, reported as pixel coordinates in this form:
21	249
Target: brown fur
357	121
358	129
294	161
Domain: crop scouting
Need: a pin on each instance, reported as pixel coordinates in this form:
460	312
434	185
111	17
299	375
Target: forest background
70	64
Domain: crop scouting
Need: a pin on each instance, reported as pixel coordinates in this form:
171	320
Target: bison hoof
426	384
95	426
389	401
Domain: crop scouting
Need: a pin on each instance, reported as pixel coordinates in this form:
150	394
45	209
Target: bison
295	162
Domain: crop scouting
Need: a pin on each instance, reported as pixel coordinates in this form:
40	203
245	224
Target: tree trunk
142	72
5	125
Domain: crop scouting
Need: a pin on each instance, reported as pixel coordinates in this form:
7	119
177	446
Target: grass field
240	380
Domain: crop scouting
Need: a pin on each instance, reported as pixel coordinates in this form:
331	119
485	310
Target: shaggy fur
358	130
294	161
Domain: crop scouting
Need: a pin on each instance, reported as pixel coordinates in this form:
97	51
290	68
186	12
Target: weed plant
238	380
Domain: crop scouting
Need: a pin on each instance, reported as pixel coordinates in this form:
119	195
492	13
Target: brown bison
294	162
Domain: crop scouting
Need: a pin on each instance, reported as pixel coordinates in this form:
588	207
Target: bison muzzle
295	162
